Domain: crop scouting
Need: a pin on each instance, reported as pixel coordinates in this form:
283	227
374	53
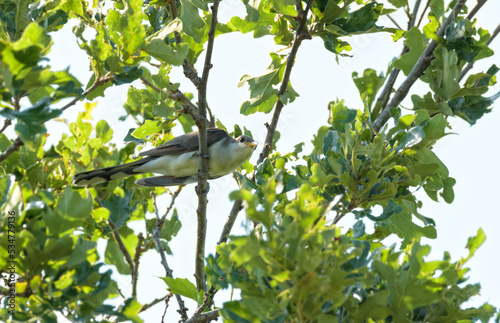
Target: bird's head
246	143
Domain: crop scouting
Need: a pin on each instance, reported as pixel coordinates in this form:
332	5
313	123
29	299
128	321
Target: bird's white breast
224	158
173	165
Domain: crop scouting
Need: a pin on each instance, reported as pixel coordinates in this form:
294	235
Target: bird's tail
108	173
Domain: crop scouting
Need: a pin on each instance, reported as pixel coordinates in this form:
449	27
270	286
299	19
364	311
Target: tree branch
15	146
237	207
175	95
18	142
419	68
202	188
189	72
121	245
413	17
137	257
300	35
208	299
476	8
156	301
204	317
386	92
423	12
97	83
156	238
471	64
394	22
6	123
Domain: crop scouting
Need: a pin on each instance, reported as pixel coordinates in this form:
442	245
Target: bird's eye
241	139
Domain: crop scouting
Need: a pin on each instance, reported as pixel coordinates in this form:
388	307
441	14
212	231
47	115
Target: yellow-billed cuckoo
178	161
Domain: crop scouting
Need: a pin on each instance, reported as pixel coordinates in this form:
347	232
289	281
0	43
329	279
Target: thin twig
394	22
237	207
97	83
413	17
300	35
137	256
470	65
6	123
167	299
121	245
208	299
204	317
423	12
169	208
209	296
476	8
15	146
419	68
153	303
156	238
202	188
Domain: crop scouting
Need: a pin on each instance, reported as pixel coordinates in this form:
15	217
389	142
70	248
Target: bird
178	161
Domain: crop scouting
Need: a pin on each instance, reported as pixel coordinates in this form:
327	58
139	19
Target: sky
470	153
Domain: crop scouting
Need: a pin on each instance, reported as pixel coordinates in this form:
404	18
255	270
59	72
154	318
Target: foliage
296	265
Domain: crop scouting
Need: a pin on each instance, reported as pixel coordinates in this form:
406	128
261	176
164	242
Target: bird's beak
252	144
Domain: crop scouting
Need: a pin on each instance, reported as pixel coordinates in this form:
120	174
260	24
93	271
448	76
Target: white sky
471	154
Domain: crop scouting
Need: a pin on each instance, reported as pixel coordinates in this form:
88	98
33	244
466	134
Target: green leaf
284	7
361	20
330	142
120	207
14	18
25	53
368	84
129	138
157	45
340	115
290	95
398	3
389	210
405	288
471	108
444	81
171	227
416	43
167	53
181	286
402	225
75	7
114	256
192	23
262	93
332	12
131	310
128	75
148	128
448	194
474	243
126	28
103	131
70	212
319	140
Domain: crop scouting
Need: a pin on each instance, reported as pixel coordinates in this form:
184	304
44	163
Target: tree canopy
62	247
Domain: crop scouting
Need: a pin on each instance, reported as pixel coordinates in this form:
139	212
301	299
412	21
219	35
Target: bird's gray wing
185	143
163	181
